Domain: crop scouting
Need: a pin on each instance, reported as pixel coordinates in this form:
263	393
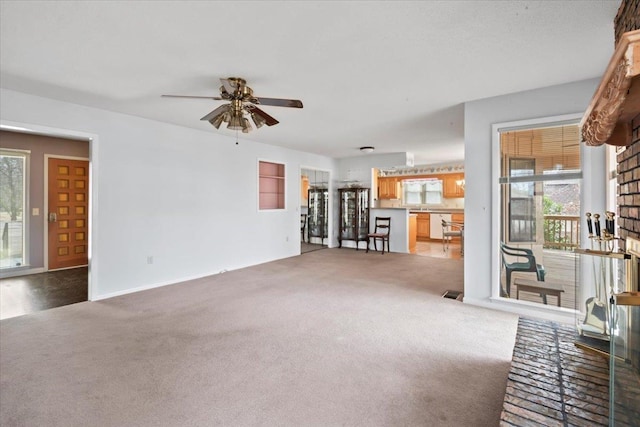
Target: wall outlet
287	238
35	211
150	259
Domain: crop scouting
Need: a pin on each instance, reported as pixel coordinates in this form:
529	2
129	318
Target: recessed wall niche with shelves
270	185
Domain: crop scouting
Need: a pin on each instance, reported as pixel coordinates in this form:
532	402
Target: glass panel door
13	167
540	181
522	209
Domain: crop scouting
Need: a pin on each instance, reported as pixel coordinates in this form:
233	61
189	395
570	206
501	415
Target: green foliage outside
553	230
550	207
11	186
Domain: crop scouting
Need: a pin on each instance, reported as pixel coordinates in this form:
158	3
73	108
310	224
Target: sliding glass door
13	191
540	190
521	206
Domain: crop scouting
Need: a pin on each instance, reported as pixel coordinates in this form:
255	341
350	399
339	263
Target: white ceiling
390	74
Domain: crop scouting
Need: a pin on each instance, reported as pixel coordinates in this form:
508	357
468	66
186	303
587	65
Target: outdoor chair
529	265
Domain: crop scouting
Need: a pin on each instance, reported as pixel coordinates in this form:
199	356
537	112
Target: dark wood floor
36	292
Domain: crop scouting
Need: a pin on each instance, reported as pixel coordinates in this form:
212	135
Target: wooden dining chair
380	232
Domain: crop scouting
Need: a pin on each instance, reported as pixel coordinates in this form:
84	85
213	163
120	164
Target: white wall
479	117
185	197
399	232
359	168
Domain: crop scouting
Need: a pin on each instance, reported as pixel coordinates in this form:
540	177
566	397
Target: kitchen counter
437	210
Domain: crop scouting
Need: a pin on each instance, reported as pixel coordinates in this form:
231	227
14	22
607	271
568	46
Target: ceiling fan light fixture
217	120
242	105
367	149
235	122
246	126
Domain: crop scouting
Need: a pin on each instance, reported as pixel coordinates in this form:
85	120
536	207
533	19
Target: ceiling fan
243	104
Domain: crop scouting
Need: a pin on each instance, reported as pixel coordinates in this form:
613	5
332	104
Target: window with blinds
540	181
555	149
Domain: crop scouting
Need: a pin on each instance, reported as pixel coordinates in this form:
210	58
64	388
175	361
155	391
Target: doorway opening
314	210
55	222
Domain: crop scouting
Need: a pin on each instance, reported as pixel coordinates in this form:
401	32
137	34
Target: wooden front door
68	213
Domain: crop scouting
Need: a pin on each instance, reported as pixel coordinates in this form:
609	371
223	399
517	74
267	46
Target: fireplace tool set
602	244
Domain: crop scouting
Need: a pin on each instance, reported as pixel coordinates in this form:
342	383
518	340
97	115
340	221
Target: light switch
35	211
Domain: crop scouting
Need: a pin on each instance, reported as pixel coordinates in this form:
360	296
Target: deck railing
561	232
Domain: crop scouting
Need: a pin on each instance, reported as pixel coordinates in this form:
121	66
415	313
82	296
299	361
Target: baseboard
526	309
153	286
180	280
21	272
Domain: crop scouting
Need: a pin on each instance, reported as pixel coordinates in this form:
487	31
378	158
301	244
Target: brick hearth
552	382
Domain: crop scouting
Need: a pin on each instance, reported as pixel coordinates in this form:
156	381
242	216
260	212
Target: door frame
45	215
93	226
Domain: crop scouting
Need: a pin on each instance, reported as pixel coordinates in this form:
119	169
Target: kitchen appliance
435	225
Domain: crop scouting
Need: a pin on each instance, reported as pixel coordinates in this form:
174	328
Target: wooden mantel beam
617	99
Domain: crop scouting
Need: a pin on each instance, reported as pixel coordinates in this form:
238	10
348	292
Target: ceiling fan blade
220	110
269	121
217	98
276	102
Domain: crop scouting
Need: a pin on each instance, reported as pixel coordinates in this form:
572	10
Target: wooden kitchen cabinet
423	226
451	186
388	188
304	190
457	217
413	225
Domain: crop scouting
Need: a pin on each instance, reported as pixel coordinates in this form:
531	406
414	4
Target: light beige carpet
332	337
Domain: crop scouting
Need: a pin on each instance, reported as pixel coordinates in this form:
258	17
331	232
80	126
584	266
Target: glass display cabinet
318	215
354	215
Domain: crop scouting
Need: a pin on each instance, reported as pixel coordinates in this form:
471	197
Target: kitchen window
422	192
